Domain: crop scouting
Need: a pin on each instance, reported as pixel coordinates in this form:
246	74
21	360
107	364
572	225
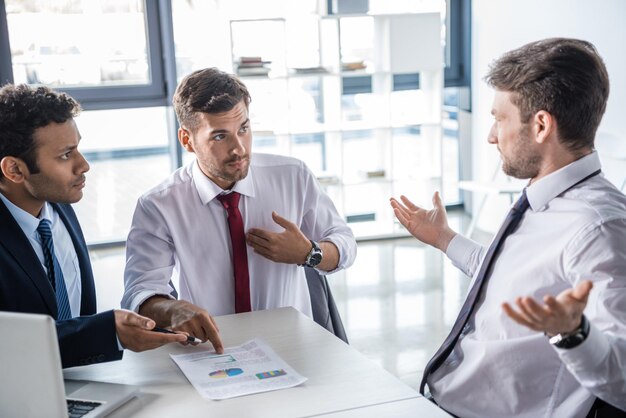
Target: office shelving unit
360	102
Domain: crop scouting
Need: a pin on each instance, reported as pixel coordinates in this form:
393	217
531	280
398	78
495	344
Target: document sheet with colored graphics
243	370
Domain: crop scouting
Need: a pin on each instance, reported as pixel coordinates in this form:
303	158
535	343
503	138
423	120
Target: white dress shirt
63	247
180	231
502	369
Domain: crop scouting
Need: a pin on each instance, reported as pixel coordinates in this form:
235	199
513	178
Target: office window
127	150
107	55
104	53
319	79
68	48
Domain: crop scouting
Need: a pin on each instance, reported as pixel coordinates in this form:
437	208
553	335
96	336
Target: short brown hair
207	91
24	109
565	77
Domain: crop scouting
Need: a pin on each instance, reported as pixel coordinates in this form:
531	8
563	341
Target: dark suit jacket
24	287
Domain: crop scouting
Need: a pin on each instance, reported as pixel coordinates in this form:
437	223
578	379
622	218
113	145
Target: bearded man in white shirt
535	340
182	229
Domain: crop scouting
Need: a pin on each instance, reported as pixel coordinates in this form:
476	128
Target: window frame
457	72
108	97
163	78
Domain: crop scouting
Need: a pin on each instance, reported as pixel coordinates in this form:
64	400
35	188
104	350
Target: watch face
570	341
314	259
574	338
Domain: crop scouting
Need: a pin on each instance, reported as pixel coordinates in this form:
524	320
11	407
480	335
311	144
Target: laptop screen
32	382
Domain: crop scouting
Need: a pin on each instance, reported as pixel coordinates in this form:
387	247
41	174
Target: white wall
502	25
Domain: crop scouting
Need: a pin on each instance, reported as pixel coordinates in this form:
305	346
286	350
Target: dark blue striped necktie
55	275
508	227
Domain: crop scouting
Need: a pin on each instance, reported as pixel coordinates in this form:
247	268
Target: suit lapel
13	239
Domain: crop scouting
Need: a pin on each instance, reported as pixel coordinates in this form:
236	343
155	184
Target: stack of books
353	65
310	70
252	66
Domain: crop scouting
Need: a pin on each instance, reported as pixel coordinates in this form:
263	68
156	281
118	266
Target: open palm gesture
428	226
557	315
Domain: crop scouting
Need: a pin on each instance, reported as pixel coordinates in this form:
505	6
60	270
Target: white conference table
414	407
340	379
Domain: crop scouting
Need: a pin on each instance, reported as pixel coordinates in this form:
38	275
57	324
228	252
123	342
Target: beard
232	176
524	161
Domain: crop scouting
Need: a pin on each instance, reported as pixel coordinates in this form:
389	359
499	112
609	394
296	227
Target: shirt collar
547	188
207	190
25	220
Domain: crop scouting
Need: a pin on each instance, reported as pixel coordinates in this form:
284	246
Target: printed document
243	370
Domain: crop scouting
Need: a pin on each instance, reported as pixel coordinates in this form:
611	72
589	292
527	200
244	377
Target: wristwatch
574	338
314	257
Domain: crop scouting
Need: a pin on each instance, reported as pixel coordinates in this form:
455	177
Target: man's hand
134	332
429	226
180	315
290	246
559	315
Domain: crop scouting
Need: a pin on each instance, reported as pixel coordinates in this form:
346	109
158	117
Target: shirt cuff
119	344
347	253
460	250
589	354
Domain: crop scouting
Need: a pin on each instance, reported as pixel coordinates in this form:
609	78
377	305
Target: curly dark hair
565	77
24	109
207	91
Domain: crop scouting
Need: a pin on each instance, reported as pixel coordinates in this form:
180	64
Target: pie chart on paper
220	374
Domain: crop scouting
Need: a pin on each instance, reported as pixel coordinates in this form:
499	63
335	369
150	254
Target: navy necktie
55	275
508	227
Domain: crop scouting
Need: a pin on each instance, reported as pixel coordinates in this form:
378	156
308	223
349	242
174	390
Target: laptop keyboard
76	409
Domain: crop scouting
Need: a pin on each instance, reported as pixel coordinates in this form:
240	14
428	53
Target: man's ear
14	169
544	125
184	137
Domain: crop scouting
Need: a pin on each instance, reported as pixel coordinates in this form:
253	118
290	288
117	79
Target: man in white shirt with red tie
234	229
533	339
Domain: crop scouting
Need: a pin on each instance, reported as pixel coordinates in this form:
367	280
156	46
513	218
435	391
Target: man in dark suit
44	264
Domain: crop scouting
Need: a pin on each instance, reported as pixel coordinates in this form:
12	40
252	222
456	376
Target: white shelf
340	128
287	103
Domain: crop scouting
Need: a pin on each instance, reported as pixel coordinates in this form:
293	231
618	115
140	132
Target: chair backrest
325	311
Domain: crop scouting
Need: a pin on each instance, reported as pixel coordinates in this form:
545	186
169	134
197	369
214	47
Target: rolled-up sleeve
322	222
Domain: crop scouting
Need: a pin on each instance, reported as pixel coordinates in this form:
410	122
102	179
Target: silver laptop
31	379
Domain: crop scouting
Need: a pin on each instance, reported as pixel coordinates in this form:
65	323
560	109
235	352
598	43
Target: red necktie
230	202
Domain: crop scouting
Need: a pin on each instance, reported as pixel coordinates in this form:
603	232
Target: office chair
325	311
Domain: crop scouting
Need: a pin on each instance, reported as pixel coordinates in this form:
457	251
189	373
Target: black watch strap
574	338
